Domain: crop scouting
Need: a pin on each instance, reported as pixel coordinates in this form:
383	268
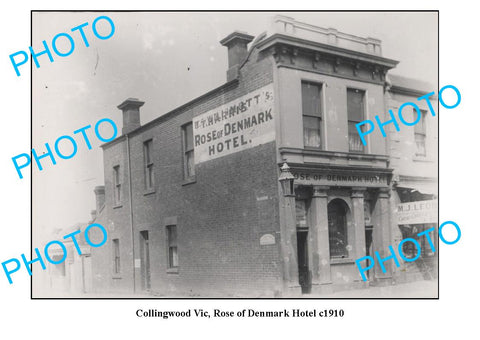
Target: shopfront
342	214
419	212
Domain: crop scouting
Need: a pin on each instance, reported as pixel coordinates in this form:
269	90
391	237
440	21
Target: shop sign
333	179
418	212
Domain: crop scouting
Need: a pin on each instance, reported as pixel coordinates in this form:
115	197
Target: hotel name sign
335	179
241	124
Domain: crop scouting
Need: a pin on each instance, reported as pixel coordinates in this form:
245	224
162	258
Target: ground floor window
337	228
427	262
172	246
409	249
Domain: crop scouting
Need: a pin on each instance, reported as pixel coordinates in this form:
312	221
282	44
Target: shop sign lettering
417	212
341	180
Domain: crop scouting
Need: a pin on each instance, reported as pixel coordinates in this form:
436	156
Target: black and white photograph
237	169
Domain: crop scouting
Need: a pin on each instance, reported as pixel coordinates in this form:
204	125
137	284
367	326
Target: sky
164	59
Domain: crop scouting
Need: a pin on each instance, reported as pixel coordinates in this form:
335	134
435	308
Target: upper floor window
117	186
188	154
116	256
420	135
356	114
148	164
312	114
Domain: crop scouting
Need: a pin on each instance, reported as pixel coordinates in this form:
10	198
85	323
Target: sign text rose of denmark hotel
262	186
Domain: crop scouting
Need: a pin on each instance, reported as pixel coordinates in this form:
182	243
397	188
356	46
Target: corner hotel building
192	200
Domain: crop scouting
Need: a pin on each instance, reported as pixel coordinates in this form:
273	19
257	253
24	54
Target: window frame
185	153
149	168
319	117
354	122
116	257
172	244
117	185
345	236
423	134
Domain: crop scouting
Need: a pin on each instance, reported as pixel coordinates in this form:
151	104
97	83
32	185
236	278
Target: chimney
99	198
236	43
131	114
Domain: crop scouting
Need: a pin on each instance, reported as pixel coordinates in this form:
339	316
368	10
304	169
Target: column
359	224
288	244
318	238
382	237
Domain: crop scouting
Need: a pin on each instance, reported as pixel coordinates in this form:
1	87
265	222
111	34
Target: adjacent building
73	275
262	186
413	154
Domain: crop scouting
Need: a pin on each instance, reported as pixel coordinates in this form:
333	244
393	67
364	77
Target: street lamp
288	232
286	180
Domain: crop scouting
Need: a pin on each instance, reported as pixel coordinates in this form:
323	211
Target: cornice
322	48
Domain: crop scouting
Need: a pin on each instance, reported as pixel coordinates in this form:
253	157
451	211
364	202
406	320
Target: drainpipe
131	208
131	121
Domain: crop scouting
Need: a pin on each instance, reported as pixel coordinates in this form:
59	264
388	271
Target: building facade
192	200
414	158
73	274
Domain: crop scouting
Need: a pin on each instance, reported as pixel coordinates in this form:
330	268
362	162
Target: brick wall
220	217
116	220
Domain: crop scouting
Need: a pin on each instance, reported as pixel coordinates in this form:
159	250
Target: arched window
337	228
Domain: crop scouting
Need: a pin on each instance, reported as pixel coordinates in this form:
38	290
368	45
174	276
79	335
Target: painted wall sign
417	212
267	239
332	179
235	126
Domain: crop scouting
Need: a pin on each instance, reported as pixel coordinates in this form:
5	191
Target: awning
426	188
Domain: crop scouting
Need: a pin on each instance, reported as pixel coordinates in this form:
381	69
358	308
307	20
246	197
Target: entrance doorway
86	274
302	254
145	260
368	245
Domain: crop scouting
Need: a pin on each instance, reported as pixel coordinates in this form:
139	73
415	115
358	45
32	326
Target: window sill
356	152
190	180
117	277
313	148
148	192
172	270
116	206
341	261
422	159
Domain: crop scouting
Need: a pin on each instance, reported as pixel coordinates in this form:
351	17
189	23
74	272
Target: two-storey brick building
192	200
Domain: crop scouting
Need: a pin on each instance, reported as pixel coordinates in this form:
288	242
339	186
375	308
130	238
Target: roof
405	84
174	112
60	232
